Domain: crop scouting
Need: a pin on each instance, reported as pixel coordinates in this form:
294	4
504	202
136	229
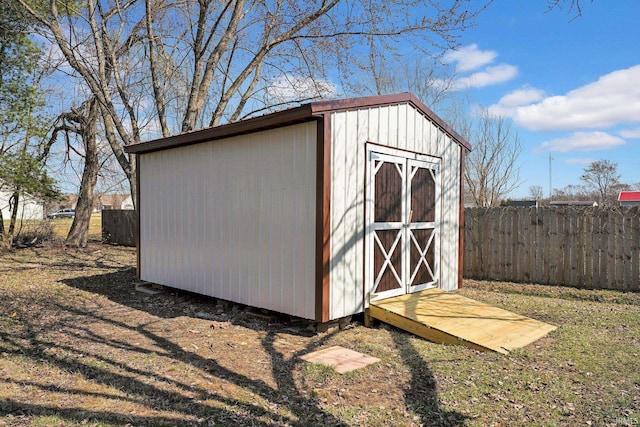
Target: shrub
34	234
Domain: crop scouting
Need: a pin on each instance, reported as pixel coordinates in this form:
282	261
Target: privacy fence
119	227
585	247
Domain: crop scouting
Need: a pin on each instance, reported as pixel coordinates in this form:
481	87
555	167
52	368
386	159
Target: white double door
401	222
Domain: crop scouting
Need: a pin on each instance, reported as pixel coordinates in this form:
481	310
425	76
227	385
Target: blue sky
572	87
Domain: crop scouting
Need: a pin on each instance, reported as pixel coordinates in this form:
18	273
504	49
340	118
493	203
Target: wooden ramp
449	318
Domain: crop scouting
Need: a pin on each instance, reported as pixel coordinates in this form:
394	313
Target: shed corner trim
323	220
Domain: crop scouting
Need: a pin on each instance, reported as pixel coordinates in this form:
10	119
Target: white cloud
630	133
515	99
611	100
582	141
579	161
489	76
289	88
469	58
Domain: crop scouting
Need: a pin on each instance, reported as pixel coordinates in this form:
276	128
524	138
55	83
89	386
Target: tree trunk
79	231
14	202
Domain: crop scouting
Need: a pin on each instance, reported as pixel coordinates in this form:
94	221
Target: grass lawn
60	226
79	346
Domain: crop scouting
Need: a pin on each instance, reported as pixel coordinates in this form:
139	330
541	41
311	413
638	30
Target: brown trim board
268	121
400	98
292	116
137	206
323	219
366	191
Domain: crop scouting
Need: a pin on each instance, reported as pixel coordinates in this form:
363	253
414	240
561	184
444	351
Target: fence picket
619	251
524	237
540	249
635	250
604	244
556	245
627	234
569	248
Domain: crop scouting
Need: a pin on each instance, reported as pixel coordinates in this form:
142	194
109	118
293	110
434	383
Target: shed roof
573	203
522	203
303	113
629	196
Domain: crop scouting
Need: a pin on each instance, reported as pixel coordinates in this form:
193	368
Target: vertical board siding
234	219
396	126
587	247
450	211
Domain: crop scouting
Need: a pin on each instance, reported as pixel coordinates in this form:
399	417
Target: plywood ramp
449	318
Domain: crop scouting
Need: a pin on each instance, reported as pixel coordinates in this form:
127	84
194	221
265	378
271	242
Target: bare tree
536	192
176	65
82	122
573	192
603	178
491	169
575	7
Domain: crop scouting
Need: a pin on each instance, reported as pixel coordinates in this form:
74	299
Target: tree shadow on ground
170	400
65	338
72	259
421	395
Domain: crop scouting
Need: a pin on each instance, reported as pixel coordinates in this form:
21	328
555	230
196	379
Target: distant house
29	207
574	203
127	203
101	202
112	201
523	203
629	198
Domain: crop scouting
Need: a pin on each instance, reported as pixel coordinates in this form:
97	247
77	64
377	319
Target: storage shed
312	211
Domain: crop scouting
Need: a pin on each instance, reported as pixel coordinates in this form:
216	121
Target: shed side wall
398	126
234	219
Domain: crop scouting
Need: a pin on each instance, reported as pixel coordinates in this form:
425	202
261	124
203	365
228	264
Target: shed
314	211
629	198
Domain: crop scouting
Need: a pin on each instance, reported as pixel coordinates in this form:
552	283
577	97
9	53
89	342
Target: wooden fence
119	227
584	247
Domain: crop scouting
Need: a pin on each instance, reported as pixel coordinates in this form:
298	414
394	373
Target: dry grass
59	226
62	226
80	346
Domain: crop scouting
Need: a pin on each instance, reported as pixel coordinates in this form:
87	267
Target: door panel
387	260
388	196
421	226
386	232
423	195
421	257
401	235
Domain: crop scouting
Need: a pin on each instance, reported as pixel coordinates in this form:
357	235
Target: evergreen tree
22	126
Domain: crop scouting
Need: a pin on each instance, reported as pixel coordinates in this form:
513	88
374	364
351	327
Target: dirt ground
80	346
